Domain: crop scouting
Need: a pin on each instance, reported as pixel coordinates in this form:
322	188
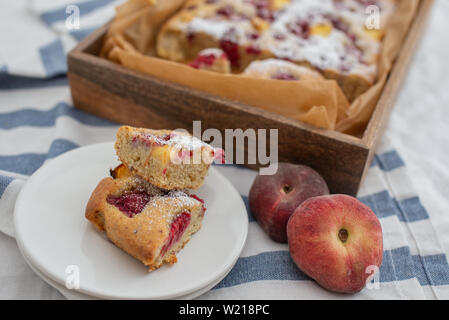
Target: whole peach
336	240
273	199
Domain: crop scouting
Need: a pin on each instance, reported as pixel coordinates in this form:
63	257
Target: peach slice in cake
149	223
166	159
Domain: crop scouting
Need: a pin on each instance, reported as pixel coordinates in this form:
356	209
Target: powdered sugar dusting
268	66
148	196
186	142
221	29
180	141
211	51
327	34
338	50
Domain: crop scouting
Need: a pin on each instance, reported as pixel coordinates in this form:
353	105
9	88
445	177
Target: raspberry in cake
149	223
166	159
212	59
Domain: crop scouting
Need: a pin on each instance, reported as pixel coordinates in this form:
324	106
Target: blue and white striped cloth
38	38
38	123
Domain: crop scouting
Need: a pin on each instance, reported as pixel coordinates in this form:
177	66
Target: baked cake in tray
149	223
330	36
166	159
232	25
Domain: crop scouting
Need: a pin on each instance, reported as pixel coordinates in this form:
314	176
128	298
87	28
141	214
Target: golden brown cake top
327	34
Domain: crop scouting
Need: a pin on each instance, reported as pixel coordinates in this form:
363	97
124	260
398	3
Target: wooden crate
113	92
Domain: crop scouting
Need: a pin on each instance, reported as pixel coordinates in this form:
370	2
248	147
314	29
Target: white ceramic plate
53	234
75	295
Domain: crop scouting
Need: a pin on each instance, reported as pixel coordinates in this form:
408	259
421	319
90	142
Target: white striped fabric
41	32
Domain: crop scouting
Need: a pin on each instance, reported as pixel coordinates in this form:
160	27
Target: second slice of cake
147	222
167	159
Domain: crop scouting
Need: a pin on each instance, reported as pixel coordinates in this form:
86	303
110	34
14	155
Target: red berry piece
131	203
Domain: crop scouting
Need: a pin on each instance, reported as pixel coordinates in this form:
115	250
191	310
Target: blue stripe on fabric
248	209
382	204
389	161
60	14
397	265
412	210
375	162
276	265
408	210
4	183
432	270
53	58
11	82
82	33
37	118
27	163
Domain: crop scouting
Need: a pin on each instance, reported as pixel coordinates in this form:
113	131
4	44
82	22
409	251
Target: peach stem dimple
287	189
343	235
